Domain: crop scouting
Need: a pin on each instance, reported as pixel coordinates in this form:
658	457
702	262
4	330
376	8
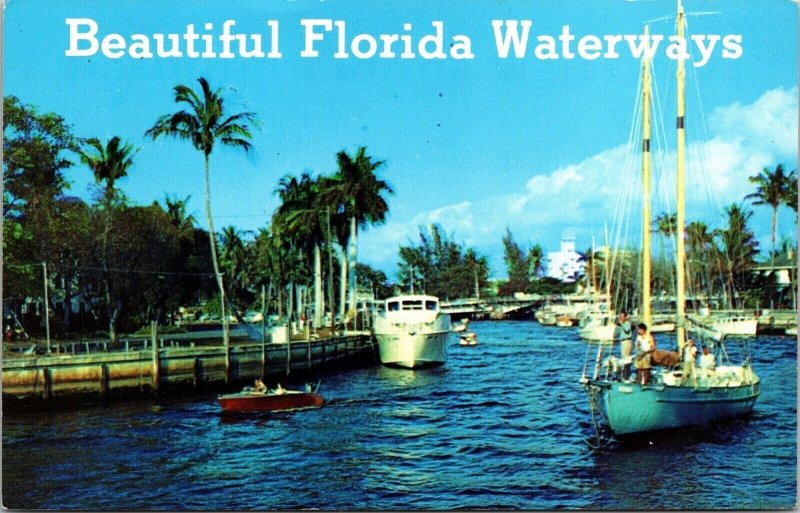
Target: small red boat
280	399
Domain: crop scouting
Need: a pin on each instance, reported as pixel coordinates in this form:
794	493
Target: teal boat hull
630	408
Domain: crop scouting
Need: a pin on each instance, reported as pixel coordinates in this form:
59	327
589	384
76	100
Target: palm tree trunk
330	270
317	286
215	262
343	284
774	233
352	259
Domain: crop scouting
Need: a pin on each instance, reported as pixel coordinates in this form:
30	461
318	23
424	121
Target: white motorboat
598	324
412	332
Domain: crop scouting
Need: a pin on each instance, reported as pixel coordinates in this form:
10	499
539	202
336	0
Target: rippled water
502	425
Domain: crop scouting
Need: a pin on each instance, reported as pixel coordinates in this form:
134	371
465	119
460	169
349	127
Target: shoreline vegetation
108	266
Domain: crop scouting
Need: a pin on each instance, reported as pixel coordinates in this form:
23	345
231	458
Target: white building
565	265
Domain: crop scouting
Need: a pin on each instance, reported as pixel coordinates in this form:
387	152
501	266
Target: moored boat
279	399
412	332
468	338
564	321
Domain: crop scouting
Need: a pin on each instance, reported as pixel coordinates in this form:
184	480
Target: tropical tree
361	195
177	210
206	123
700	244
109	162
773	188
738	247
440	266
301	216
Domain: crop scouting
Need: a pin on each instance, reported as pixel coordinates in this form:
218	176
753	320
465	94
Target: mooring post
308	354
154	340
227	361
196	372
104	380
288	356
47	388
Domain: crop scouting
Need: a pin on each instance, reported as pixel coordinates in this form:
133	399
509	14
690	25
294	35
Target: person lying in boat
279	390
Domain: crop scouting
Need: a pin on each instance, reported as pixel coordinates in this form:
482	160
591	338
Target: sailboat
669	400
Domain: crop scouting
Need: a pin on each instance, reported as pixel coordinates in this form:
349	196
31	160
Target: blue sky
477	145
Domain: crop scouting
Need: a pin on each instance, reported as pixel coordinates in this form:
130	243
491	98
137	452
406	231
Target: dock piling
154	338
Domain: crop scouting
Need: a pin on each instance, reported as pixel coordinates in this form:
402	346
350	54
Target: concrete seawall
48	380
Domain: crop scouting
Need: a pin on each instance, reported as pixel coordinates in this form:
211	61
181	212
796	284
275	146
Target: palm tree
790	200
738	246
773	188
665	225
204	124
176	209
535	261
301	217
361	195
699	242
109	163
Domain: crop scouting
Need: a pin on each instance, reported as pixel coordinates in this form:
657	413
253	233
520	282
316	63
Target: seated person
259	386
707	360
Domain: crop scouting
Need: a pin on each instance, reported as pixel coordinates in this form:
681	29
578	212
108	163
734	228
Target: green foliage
374	280
441	267
523	267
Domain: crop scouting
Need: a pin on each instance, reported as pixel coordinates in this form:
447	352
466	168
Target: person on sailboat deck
623	333
645	346
689	362
259	386
707	361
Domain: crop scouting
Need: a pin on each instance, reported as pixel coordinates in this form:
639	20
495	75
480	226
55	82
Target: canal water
502	425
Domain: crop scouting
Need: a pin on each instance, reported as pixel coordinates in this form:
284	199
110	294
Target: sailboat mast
680	260
646	101
607	266
594	279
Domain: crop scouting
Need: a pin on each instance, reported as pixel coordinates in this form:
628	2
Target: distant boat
725	326
546	316
280	399
564	321
460	328
597	325
669	400
662	327
412	332
468	338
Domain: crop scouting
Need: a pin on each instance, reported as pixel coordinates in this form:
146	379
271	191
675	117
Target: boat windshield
431	306
393	306
414	304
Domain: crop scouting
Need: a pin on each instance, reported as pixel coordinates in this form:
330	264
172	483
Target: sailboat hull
630	408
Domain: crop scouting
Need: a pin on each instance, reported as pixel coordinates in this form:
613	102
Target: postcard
359	255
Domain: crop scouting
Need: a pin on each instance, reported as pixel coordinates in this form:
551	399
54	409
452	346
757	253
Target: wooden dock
165	367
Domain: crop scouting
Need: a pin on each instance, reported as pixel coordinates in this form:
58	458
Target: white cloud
586	195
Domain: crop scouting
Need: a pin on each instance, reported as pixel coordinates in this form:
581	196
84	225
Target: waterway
503	425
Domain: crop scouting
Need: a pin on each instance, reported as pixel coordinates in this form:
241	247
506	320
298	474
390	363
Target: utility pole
46	307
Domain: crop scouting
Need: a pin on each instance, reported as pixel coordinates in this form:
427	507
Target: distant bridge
493	308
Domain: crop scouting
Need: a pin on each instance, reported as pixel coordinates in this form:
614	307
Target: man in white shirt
622	334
